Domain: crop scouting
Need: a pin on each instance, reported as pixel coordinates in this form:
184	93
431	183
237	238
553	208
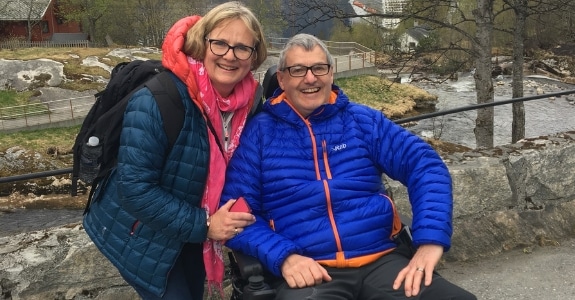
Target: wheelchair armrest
247	265
248	282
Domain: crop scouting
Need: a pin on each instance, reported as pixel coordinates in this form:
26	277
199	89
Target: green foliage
429	43
369	90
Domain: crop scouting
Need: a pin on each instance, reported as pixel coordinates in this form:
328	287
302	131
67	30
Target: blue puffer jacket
315	185
134	220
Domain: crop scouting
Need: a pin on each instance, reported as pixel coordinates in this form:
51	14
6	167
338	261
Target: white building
392	7
383	7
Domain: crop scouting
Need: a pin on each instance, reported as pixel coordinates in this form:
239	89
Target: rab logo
339	147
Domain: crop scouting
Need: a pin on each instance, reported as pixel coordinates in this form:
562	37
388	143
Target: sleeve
141	161
244	178
409	159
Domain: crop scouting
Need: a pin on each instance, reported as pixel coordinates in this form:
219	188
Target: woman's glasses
220	48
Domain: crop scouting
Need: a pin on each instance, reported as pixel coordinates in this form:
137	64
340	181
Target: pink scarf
239	102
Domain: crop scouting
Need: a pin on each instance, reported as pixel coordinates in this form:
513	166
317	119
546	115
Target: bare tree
483	82
269	14
34	14
522	10
473	35
153	21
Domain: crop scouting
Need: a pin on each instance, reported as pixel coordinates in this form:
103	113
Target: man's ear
279	75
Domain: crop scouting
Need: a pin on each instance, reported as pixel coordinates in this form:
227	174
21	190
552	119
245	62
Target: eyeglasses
220	48
301	71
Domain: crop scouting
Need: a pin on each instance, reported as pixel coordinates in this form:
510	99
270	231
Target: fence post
26	115
349	62
71	110
49	114
335	70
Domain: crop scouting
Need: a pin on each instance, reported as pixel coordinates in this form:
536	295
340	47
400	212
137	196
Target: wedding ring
419	269
236	231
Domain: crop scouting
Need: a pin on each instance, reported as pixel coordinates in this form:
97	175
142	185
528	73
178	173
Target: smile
310	91
228	68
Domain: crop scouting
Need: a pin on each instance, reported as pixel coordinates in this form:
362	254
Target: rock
58	263
20	75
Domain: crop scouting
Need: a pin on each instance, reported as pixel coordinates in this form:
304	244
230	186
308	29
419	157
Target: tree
483	83
87	12
522	10
34	14
269	14
154	19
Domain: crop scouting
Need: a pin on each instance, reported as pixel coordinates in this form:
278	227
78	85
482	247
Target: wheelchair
250	281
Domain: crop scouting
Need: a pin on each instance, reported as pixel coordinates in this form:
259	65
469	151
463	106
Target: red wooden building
47	24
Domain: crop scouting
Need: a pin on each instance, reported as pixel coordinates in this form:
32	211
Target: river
543	117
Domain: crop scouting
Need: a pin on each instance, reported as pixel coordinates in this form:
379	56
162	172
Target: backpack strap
168	99
170	104
258	102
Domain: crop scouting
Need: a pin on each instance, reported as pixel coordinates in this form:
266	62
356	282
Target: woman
156	217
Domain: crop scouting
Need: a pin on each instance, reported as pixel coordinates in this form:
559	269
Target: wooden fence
16	44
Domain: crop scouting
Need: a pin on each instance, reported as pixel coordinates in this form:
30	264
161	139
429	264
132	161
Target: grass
16	105
394	100
41	141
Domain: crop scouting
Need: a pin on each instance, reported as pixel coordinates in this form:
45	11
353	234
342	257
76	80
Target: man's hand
420	267
300	271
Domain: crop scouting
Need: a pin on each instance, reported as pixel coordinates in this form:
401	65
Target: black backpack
104	120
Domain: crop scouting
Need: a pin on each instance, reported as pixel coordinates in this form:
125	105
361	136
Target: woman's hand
419	268
224	224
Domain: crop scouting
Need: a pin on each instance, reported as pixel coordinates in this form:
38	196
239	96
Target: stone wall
510	196
513	196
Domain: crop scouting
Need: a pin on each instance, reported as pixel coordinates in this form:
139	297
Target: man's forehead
300	55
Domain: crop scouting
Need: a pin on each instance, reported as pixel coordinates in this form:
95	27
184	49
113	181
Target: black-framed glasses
220	48
301	71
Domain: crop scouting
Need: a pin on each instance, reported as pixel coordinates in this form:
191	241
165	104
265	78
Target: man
310	167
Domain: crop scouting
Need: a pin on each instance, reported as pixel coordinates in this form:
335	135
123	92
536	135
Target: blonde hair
195	44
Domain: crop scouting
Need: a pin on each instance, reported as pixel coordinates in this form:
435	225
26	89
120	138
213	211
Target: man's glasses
220	48
301	71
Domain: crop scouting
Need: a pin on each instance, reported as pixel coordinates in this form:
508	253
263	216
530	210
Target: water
542	117
24	220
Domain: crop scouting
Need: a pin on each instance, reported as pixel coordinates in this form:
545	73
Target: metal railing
55	112
399	121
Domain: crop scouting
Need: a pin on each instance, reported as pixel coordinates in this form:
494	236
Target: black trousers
371	282
186	279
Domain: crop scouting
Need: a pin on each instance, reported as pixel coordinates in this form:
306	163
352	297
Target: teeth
227	68
310	90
